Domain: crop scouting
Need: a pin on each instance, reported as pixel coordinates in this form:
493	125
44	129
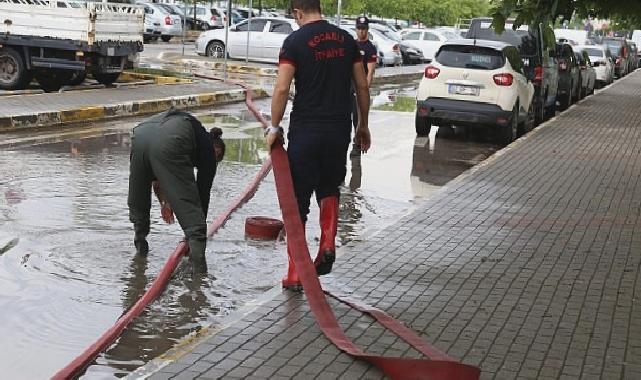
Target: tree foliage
429	12
626	13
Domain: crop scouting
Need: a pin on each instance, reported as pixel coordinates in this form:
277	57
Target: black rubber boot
142	247
197	256
141	230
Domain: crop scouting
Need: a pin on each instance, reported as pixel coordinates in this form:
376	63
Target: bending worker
324	60
164	151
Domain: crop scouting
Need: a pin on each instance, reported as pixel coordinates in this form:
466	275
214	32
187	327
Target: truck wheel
215	49
77	78
52	80
165	38
13	71
105	78
423	125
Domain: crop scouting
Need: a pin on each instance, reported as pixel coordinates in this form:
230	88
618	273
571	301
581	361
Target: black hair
306	5
216	139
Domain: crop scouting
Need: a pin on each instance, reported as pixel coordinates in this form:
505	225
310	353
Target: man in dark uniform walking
324	60
370	57
164	151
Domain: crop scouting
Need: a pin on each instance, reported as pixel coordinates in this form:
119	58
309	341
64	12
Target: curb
396	78
233	67
111	111
132	77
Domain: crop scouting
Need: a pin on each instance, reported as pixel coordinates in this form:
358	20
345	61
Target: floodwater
67	264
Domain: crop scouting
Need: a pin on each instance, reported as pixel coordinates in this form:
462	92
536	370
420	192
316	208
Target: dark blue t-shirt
324	56
368	51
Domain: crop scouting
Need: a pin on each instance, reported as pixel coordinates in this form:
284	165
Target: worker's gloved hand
167	213
274	135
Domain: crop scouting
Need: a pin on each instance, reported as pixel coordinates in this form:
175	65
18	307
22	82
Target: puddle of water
67	269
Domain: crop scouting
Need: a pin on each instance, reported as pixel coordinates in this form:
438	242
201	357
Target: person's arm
287	60
279	98
205	164
165	208
370	73
362	100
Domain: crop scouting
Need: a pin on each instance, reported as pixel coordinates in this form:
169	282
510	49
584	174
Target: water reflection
437	161
164	327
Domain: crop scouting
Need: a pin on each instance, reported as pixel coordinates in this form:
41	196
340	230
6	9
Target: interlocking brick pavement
528	266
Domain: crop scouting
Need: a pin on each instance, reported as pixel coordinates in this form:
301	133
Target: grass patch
401	103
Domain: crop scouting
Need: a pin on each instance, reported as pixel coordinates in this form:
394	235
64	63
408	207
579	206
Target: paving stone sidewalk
528	266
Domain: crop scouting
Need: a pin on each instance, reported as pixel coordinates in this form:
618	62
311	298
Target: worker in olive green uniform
164	151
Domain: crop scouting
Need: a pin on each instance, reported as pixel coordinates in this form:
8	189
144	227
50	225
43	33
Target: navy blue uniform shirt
324	56
368	51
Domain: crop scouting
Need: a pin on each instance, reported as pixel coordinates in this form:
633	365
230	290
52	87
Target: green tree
625	13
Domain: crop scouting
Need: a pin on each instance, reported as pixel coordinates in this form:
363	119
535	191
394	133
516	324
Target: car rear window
594	52
470	57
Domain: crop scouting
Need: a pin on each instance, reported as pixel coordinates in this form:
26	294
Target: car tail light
538	74
505	79
431	72
213	19
563	64
169	21
395	47
618	61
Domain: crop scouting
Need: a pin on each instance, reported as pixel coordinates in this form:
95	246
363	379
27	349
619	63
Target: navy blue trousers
317	155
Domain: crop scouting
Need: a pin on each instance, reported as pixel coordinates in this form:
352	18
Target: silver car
266	36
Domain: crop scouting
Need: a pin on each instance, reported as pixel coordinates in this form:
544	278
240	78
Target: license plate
463	90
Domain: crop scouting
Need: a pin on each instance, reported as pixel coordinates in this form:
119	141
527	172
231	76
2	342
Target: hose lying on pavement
440	367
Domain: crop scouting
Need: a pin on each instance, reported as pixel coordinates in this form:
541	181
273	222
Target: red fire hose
439	367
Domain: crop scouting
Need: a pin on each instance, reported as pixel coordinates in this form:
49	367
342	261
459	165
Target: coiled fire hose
439	366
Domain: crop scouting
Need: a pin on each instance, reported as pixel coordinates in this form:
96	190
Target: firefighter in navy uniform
370	57
164	151
324	60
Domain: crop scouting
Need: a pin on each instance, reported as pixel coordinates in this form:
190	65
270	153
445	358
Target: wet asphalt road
67	269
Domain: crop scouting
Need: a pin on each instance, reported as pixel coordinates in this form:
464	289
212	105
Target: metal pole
226	39
338	14
249	31
184	26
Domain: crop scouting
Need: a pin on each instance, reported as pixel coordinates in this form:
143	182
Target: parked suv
538	56
476	83
620	51
569	76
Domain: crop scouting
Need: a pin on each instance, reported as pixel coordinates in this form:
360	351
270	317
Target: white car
428	40
209	17
601	61
170	23
266	37
476	83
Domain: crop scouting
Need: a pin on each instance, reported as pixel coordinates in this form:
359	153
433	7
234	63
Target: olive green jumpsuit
166	148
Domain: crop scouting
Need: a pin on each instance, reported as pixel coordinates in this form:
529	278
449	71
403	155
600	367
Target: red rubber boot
329	224
291	280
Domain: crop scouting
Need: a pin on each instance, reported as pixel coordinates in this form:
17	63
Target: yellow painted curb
82	114
158	79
